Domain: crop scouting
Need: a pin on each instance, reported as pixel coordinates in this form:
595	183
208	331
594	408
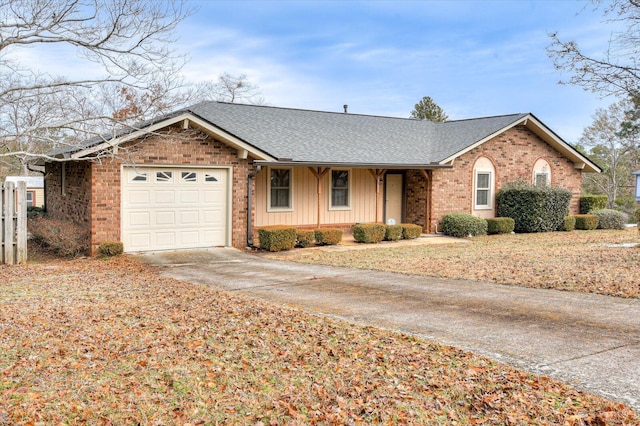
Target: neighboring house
35	189
212	174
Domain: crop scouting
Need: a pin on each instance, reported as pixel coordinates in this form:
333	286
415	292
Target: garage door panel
176	209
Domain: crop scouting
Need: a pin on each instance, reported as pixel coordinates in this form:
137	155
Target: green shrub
410	231
305	237
368	232
463	225
277	238
111	248
500	225
592	202
62	237
534	208
33	211
610	219
586	221
328	236
569	223
393	232
637	216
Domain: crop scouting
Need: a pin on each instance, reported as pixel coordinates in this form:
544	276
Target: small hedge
277	238
500	225
368	232
411	231
637	215
328	236
586	221
534	208
305	237
610	219
462	225
111	248
393	232
33	211
592	202
569	223
64	238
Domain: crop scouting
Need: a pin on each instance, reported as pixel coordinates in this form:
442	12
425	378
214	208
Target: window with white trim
31	195
541	173
541	179
483	186
340	194
280	189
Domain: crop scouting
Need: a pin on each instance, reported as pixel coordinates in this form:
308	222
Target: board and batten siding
305	198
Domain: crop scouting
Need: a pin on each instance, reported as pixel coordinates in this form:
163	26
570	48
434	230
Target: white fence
13	215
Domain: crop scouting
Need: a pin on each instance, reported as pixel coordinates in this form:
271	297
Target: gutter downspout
250	177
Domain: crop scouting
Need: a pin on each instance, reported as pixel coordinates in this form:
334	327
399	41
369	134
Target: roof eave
387	166
536	126
188	119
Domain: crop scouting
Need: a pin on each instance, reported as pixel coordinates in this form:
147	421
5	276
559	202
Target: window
280	193
164	176
340	188
31	195
210	178
541	179
483	190
136	176
189	176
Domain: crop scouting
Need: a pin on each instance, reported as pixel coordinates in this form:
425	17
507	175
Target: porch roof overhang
387	166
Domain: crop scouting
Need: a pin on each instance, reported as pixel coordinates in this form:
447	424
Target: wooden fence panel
13	229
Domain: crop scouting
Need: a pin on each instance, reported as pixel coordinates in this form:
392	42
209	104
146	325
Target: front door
393	199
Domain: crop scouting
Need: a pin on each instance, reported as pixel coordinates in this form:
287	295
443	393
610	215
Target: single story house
214	173
35	189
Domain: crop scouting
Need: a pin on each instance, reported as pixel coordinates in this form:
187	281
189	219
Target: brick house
212	174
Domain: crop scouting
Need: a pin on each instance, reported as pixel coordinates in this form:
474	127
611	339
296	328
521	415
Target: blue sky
474	58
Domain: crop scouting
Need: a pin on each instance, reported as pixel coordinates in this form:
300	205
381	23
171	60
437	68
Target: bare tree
128	40
617	70
614	151
230	88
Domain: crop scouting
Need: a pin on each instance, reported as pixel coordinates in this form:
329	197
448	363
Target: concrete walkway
589	341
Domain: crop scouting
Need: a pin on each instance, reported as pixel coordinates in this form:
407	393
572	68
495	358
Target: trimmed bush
277	238
500	225
393	232
592	202
534	208
610	219
33	211
328	236
305	237
64	238
368	232
111	248
637	215
586	221
569	224
463	225
410	231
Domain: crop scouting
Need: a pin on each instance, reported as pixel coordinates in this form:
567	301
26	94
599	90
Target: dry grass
576	261
109	342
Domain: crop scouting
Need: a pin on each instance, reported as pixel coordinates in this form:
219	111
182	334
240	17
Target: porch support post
427	213
319	173
377	175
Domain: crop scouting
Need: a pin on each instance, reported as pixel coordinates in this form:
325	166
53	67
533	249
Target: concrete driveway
591	342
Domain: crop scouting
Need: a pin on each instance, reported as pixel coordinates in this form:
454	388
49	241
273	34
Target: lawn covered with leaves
110	342
582	261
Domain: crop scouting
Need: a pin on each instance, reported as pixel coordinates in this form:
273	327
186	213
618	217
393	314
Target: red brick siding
513	154
186	148
75	203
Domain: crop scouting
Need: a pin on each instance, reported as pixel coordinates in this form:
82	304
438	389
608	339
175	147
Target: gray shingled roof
328	137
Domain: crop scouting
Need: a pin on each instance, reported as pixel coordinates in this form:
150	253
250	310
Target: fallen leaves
110	342
584	261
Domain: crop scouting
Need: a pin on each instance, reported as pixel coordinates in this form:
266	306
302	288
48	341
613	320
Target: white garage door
173	208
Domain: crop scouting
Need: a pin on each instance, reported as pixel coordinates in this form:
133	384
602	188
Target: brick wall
513	154
99	203
73	202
